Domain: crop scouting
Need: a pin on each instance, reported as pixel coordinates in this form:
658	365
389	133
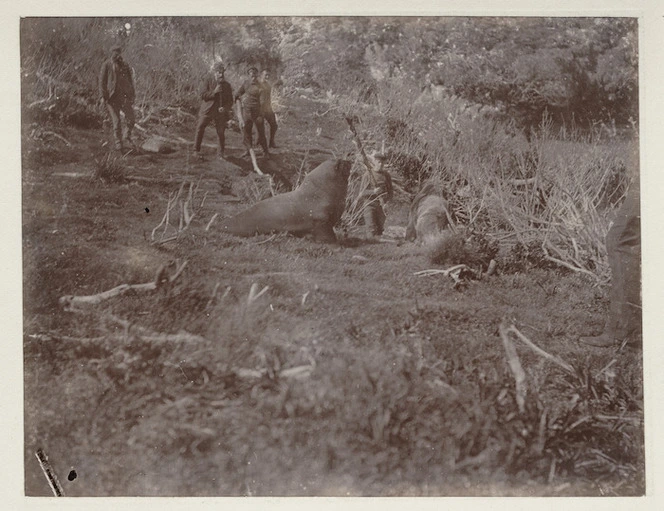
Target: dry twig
69	302
254	294
454	272
297	372
515	366
209	224
38	133
187	213
559	362
567	265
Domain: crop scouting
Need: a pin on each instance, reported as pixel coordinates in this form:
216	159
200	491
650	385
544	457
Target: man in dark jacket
623	247
116	86
377	189
250	96
217	97
268	113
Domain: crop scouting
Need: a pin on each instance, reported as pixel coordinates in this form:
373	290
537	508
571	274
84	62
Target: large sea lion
428	216
313	208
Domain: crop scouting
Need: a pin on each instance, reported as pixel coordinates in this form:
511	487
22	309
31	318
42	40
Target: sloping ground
349	375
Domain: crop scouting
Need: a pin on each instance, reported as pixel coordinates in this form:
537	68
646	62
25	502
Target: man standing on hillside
623	247
216	106
377	189
250	96
268	113
116	86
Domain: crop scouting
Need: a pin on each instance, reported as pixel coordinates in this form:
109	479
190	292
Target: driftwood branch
50	337
297	372
209	224
450	271
40	133
515	366
254	164
559	362
567	265
71	301
454	272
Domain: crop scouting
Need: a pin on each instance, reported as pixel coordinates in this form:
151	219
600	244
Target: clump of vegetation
253	188
417	399
522	258
110	169
448	248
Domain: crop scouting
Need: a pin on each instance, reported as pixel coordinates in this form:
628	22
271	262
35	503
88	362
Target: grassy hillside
275	365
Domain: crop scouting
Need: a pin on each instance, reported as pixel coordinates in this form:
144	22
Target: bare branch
254	295
449	271
569	266
209	224
559	362
515	366
68	302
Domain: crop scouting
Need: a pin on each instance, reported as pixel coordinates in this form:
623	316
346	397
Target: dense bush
581	69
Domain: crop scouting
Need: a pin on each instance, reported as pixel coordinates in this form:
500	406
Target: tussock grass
557	192
110	169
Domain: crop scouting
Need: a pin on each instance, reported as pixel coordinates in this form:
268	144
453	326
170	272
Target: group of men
254	99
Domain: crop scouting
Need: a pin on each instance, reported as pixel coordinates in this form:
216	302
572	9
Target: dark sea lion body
313	208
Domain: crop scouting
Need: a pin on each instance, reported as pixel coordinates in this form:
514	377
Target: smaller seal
428	216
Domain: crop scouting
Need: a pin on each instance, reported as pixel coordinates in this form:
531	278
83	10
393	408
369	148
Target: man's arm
132	92
103	80
240	92
208	91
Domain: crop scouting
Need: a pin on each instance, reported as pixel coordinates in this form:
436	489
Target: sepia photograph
331	256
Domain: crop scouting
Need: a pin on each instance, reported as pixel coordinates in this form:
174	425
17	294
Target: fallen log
69	302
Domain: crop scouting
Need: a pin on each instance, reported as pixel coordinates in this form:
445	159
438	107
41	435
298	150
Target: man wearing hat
377	189
116	86
251	96
216	106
